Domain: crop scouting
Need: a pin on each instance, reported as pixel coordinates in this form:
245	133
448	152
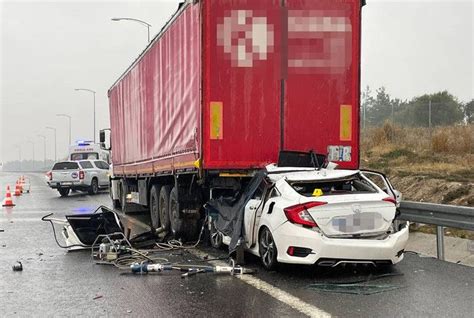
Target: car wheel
175	219
94	188
154	207
267	249
64	192
164	206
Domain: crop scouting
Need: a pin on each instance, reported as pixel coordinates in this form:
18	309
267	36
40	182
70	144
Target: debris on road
97	297
17	267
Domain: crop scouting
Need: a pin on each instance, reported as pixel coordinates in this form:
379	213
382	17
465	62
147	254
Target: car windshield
85	156
350	185
65	166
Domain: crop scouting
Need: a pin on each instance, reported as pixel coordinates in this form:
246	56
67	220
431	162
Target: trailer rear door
280	75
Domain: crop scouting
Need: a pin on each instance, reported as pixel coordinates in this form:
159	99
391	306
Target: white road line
275	292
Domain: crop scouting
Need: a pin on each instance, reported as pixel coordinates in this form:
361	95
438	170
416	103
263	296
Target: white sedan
325	217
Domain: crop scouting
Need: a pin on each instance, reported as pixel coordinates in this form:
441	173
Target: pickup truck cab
83	175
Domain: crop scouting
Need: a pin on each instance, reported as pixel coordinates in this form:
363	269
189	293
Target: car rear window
86	165
350	185
65	166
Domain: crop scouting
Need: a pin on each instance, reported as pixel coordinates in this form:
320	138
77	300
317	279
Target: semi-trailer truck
221	90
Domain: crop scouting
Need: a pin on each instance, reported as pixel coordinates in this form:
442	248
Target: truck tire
186	229
64	192
164	207
177	226
94	188
155	207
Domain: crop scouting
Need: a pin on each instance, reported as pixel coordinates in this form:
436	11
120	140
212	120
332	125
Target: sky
49	48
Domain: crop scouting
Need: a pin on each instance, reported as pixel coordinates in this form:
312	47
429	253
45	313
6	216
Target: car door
253	211
105	170
102	169
382	181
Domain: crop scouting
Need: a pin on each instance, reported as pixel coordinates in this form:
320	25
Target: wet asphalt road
57	283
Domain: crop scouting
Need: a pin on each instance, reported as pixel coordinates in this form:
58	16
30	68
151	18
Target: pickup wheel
155	207
94	188
64	192
164	207
176	221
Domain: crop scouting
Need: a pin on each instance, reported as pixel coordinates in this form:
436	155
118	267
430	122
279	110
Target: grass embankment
431	166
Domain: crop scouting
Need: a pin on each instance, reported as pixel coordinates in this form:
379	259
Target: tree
469	112
445	110
381	107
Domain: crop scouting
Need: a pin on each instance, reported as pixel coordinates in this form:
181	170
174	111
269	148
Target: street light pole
19	154
44	149
33	148
136	20
93	92
69	118
55	143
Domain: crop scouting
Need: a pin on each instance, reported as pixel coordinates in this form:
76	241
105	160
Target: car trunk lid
353	215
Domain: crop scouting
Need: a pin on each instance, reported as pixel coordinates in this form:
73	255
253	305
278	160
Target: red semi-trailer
221	90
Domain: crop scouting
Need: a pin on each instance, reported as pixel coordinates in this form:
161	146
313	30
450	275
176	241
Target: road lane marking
275	292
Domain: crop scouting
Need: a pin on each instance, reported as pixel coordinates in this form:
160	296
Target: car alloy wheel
267	249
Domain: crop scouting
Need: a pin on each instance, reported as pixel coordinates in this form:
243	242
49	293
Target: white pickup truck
84	175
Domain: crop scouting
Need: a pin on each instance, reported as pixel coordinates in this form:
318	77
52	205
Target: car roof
307	174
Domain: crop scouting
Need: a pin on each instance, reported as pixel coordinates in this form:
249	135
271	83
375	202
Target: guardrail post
440	241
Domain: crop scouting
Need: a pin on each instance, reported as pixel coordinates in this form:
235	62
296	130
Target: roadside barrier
441	215
8	198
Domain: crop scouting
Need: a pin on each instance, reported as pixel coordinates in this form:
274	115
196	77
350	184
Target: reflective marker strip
280	295
215	112
345	132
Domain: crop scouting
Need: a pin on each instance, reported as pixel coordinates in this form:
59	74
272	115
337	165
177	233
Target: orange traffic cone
20	185
17	189
8	198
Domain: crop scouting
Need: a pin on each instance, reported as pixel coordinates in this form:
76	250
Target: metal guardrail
441	215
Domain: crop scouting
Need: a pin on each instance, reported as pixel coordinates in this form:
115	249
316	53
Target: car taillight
50	175
81	174
390	199
299	213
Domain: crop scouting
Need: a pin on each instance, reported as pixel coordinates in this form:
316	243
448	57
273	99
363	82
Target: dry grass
445	152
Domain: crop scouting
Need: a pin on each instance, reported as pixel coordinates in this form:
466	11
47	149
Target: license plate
66	183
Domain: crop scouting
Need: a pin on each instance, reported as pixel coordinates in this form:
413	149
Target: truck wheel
64	192
164	207
94	188
176	220
155	207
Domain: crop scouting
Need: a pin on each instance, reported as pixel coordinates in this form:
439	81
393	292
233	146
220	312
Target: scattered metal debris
18	267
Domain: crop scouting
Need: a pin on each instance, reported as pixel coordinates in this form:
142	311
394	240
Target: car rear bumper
68	185
323	248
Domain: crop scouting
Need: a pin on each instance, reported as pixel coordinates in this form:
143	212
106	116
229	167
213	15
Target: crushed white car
322	216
